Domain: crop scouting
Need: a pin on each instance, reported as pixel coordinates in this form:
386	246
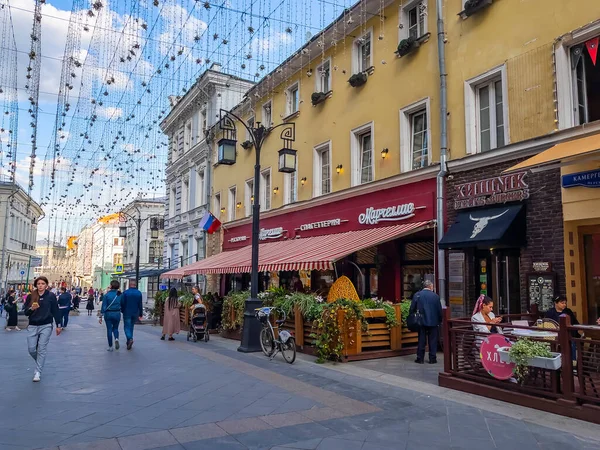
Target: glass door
591	245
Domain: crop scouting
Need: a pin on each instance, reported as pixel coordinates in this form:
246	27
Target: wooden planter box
231	334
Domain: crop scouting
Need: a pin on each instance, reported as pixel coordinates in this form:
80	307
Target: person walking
111	310
428	304
64	304
171	322
90	304
42	309
132	307
12	318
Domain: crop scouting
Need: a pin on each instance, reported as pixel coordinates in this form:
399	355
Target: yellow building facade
504	95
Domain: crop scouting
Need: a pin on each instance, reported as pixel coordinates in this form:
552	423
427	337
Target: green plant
522	351
390	313
358	79
186	299
159	303
404	310
470	4
329	333
237	301
405	46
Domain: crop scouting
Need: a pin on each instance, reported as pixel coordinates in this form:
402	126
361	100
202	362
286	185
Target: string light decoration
118	83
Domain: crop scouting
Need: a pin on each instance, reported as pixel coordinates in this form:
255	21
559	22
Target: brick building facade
543	230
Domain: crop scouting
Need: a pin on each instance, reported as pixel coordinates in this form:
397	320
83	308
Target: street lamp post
138	221
227	155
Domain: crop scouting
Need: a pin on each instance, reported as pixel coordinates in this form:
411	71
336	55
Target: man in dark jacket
132	308
64	304
428	304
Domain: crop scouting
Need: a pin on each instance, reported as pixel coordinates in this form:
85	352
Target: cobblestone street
180	395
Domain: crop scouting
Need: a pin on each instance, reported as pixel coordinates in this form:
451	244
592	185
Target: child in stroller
198	324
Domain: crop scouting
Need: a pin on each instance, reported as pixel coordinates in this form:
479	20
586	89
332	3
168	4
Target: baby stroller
198	324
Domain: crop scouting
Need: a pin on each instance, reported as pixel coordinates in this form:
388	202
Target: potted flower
358	79
526	353
246	144
406	46
318	97
472	6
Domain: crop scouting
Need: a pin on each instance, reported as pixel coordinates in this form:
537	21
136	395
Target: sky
106	70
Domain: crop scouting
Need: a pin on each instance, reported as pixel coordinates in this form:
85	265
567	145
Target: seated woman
483	314
560	307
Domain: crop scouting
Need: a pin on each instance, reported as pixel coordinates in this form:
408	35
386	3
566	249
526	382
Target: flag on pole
209	223
592	47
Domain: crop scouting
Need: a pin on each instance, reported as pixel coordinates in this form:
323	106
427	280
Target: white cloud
109	112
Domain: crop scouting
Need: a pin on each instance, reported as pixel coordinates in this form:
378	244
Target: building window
184	253
486	111
586	79
155	249
187	136
267	117
249	197
290	188
293	99
172	201
185	193
363	170
265	190
217	205
413	20
117	259
415	136
200	200
250	123
231	201
322	81
203	122
362	53
116	242
322	170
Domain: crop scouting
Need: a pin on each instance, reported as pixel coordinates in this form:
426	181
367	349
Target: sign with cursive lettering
238	239
373	216
491	191
270	233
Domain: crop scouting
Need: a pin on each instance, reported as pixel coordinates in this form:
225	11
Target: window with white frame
249	197
250	123
363	169
185	193
293	99
322	81
322	170
363	56
172	201
586	79
217	205
187	136
267	117
231	201
415	136
486	111
265	190
291	187
203	122
200	200
413	19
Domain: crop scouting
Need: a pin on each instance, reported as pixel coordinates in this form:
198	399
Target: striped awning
311	253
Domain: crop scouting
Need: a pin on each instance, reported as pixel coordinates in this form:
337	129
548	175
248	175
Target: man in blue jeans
132	308
64	304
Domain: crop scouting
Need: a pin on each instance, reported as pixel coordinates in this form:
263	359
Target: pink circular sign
491	360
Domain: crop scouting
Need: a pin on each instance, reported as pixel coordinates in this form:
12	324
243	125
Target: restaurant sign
321	224
238	239
270	233
590	179
490	358
492	191
373	216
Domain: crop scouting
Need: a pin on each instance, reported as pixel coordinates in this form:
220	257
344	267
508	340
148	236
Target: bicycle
286	344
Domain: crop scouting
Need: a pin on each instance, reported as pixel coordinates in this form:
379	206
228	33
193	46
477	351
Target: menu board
456	271
541	288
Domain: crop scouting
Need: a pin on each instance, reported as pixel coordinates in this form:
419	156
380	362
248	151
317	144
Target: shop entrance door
507	293
591	246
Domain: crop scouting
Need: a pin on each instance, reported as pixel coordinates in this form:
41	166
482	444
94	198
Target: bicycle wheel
267	343
288	350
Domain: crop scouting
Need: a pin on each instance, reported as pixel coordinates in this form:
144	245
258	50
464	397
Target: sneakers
109	349
117	345
36	377
129	344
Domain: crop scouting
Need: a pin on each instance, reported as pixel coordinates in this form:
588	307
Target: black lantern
287	160
123	232
226	151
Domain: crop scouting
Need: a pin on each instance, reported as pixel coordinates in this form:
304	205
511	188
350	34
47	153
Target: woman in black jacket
41	307
12	311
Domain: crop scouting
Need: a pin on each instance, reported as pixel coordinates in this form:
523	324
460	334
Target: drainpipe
441	176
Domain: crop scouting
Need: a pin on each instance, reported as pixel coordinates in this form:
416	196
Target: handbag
414	321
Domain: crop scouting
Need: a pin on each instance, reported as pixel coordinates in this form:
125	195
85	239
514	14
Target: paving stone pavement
180	395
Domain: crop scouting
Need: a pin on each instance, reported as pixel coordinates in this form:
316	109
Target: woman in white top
483	314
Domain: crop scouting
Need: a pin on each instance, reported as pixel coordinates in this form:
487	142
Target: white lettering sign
238	239
373	216
270	233
321	224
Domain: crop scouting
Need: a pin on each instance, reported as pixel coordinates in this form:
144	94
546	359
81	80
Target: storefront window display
591	243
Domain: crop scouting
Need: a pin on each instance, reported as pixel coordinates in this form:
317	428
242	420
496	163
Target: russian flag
209	223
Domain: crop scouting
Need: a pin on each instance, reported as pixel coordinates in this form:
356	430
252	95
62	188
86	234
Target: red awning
312	253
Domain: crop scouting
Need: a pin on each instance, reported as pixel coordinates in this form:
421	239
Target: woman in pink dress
171	324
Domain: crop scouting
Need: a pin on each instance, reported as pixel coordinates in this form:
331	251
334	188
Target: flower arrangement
390	313
523	351
406	46
237	301
358	79
318	97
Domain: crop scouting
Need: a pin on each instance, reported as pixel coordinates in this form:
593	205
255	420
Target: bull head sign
482	222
